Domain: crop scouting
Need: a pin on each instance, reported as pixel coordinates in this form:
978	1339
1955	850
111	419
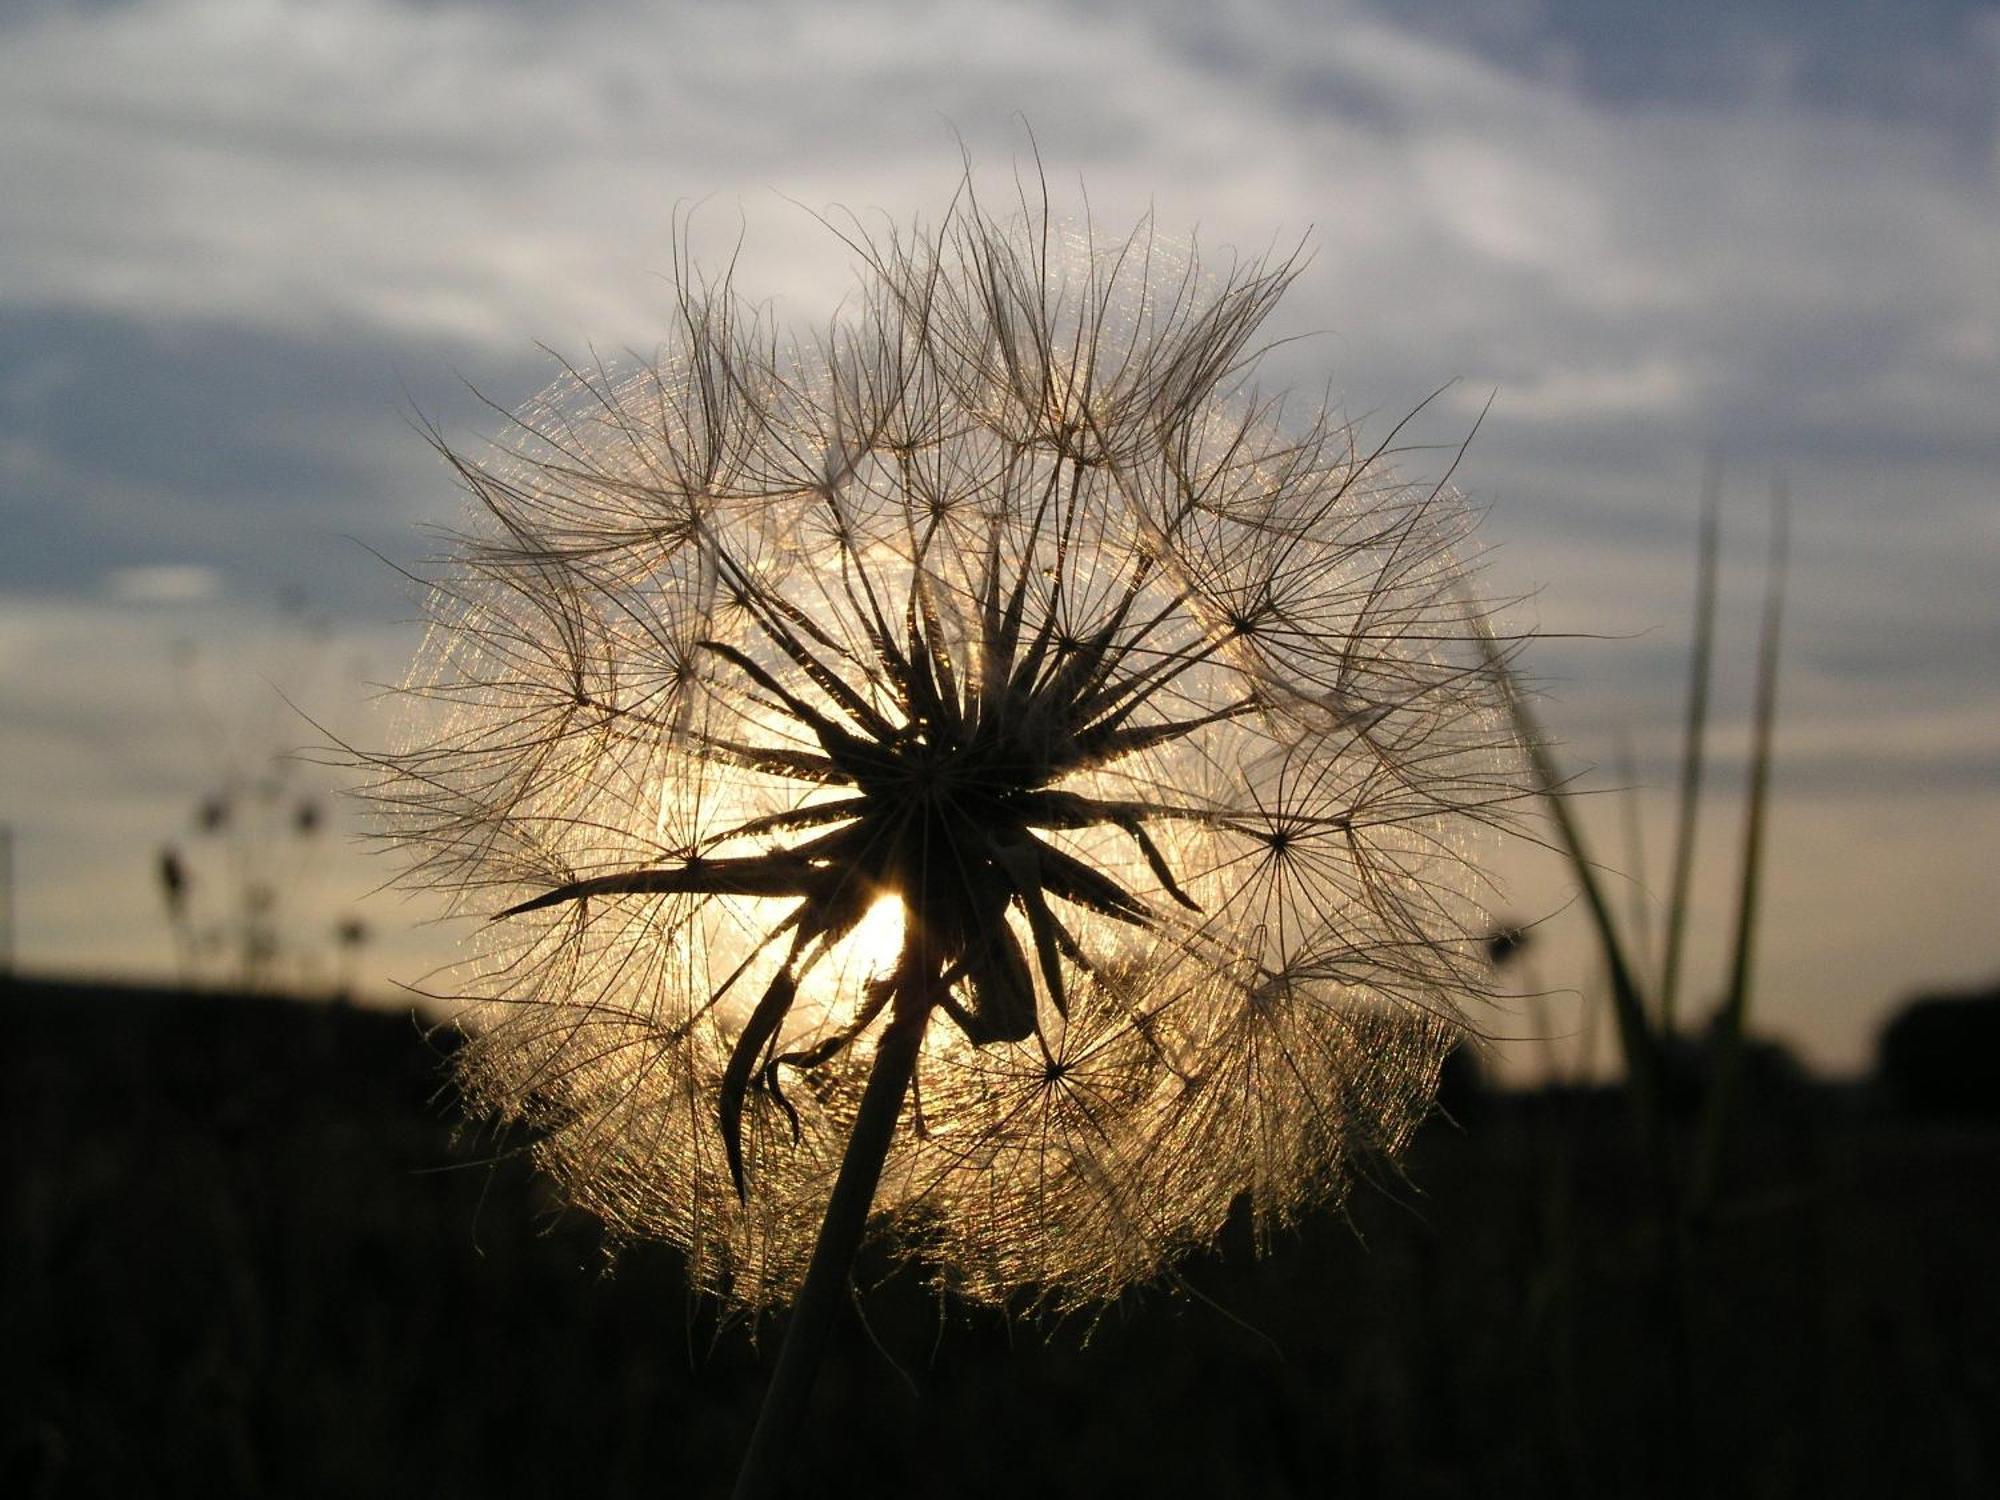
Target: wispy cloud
163	583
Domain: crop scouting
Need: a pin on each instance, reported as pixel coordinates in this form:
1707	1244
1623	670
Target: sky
247	245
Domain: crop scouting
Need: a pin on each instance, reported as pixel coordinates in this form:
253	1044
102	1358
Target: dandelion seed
994	690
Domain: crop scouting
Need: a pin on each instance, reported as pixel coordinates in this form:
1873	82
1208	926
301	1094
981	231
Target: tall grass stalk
1688	801
1735	1009
1684	1170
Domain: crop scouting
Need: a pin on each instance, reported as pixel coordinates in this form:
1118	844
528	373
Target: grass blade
1736	999
1638	910
1700	673
1635	1034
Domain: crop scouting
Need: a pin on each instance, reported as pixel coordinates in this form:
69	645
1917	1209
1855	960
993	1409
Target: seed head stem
771	1444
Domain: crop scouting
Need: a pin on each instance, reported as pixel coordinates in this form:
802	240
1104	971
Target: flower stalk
840	1234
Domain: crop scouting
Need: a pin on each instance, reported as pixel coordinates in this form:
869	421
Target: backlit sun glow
868	953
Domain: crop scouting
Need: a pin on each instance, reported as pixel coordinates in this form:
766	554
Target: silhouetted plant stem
1735	1010
1683	1172
1688	805
1638	903
1641	1047
771	1444
1635	1034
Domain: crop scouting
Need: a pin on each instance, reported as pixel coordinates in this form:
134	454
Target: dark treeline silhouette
1941	1054
249	1252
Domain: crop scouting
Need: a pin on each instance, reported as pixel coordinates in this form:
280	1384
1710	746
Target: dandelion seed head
1004	623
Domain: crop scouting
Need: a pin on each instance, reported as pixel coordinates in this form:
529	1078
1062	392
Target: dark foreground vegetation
246	1255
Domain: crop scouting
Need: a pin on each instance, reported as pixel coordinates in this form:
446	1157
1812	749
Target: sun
831	992
873	947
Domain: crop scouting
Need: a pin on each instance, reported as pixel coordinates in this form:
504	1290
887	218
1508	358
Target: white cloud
163	583
1656	386
499	174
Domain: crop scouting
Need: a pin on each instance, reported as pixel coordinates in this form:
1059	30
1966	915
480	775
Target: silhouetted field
248	1254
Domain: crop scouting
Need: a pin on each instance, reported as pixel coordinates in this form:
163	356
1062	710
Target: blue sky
243	239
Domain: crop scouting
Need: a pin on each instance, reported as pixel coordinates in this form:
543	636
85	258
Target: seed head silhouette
991	735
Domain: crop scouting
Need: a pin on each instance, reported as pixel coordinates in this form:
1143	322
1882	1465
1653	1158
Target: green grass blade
1700	674
1736	999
